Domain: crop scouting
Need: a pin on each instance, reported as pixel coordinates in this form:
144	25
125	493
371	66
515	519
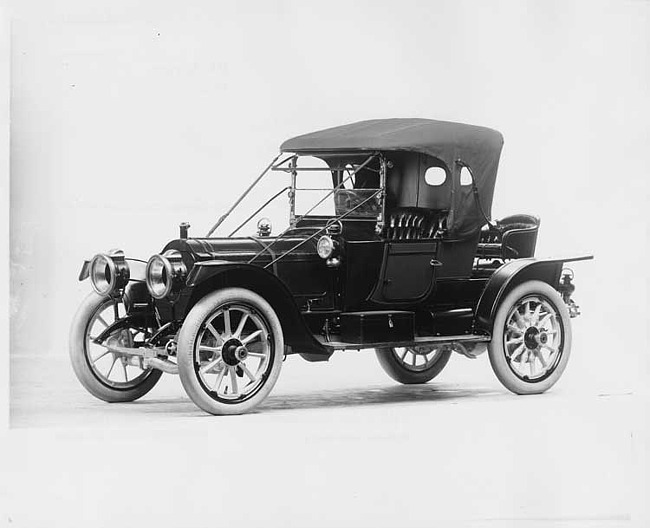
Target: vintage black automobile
406	261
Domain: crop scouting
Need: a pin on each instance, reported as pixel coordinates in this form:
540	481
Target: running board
418	341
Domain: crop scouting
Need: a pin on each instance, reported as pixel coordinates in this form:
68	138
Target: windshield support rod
341	217
250	188
279	165
258	210
292	224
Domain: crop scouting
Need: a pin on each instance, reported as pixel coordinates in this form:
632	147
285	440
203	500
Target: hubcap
241	353
233	352
530	338
533	338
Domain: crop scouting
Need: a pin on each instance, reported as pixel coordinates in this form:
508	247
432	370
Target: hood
243	249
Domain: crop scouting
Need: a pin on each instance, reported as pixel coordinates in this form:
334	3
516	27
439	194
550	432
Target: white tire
531	338
228	366
105	375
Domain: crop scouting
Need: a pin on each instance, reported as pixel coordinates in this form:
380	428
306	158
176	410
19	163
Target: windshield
331	188
334	187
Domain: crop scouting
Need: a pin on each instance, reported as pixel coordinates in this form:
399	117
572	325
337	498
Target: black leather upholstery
413	223
514	236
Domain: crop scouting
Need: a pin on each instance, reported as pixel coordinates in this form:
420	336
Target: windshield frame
289	164
351	169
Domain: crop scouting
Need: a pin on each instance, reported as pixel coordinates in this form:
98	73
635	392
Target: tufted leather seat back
511	237
412	223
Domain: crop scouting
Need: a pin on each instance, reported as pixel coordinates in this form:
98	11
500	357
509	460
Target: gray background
129	117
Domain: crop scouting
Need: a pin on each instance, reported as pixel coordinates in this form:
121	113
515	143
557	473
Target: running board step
418	341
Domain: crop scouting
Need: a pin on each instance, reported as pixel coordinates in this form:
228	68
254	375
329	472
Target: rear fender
211	275
511	275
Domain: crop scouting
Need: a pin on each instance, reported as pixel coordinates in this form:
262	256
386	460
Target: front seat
413	223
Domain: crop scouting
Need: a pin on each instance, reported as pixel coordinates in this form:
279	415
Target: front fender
202	271
511	275
208	276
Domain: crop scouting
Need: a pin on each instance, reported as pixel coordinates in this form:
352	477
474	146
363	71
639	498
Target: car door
408	271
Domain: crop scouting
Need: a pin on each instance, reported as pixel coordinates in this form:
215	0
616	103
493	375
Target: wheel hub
534	338
233	352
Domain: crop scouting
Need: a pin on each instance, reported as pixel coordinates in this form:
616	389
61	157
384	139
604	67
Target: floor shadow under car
330	399
377	395
373	396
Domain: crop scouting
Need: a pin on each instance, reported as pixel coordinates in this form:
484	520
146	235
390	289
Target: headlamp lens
158	276
108	272
165	273
102	274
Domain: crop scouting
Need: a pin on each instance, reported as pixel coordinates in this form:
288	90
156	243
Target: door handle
435	263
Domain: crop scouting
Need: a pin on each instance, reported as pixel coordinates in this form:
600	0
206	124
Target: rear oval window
465	176
435	176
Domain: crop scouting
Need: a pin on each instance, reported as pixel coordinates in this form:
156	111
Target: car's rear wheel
416	364
230	351
531	339
107	375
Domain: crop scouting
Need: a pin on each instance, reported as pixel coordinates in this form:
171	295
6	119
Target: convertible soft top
455	144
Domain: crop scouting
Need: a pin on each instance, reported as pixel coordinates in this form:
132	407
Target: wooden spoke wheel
230	351
531	340
416	364
107	375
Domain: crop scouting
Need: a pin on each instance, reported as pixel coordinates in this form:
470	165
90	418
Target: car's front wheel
531	338
230	351
416	364
107	375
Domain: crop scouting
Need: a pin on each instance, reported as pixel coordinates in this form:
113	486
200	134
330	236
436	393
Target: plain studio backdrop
130	117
